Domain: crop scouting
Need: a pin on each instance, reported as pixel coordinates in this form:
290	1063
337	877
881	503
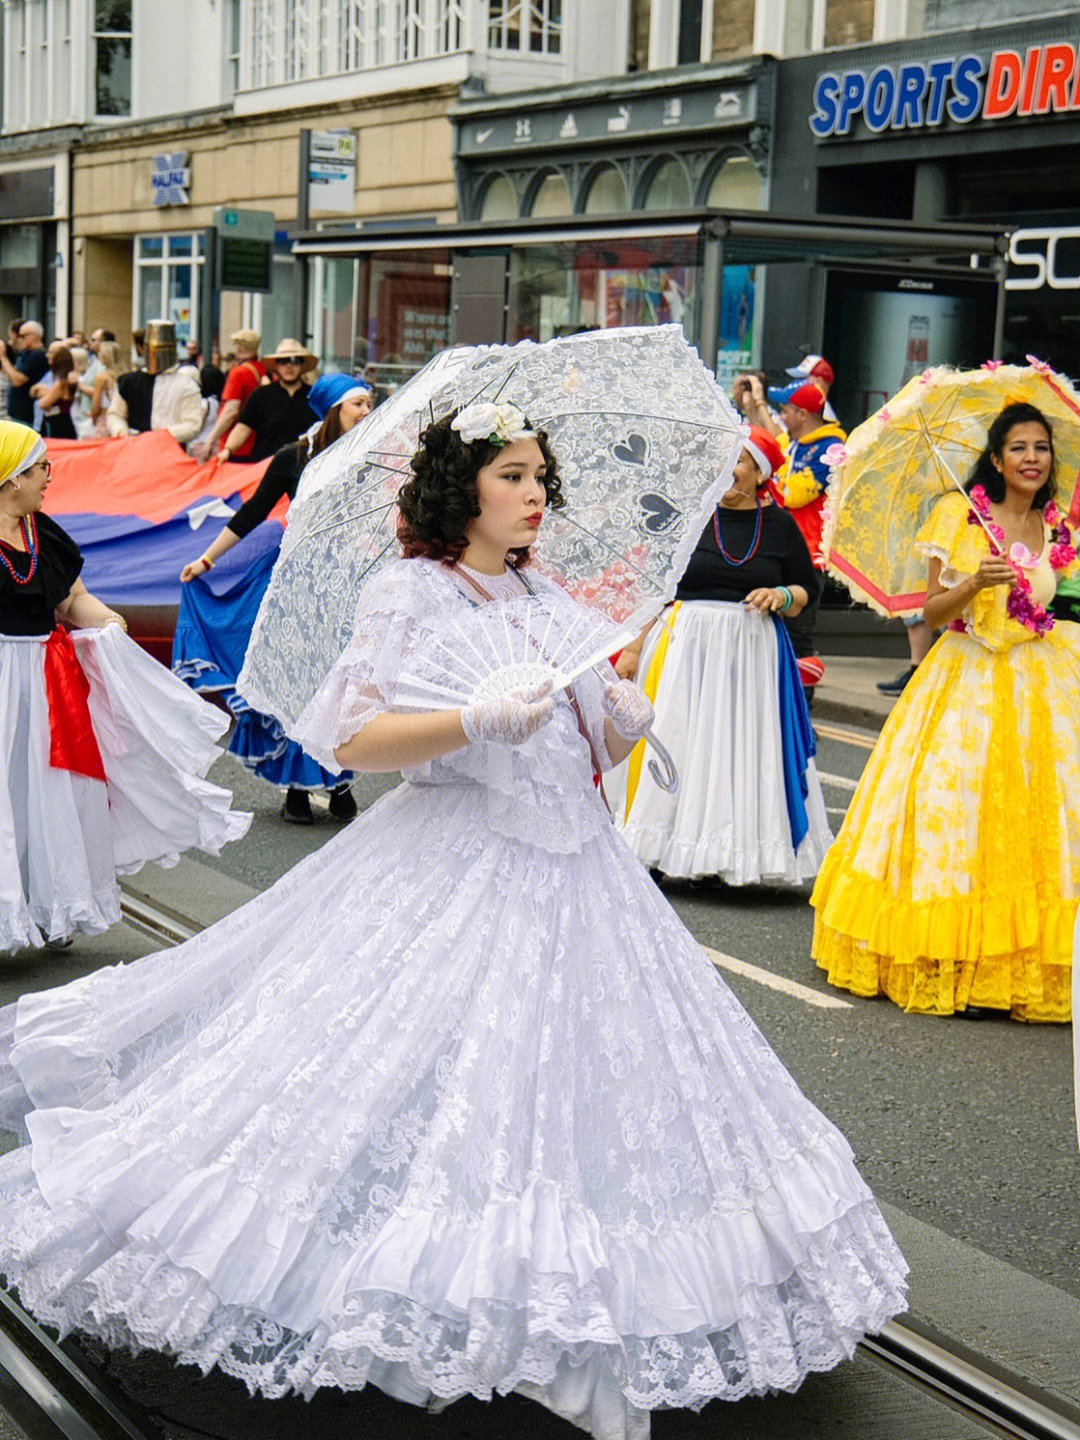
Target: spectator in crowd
192	354
241	382
211	381
819	372
164	396
56	394
278	412
801	487
84	389
27	370
5	383
138	344
104	388
97	337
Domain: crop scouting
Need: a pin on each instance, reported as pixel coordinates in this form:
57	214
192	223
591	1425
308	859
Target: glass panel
112	93
736	185
408	316
500	201
607	193
151	247
335	297
551	198
669	188
151	303
798	27
179	301
276	317
558	289
181	245
112	16
20	247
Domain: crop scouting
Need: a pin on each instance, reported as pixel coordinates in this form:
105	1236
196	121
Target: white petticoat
64	837
718	714
446	1112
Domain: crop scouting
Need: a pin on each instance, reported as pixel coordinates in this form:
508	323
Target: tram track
67	1399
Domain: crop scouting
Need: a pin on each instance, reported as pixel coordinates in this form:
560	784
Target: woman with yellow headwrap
104	751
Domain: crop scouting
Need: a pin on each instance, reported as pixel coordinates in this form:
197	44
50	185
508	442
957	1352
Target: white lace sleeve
390	619
588	690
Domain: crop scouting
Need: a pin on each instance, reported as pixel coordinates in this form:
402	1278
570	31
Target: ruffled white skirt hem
718	714
64	837
489	1122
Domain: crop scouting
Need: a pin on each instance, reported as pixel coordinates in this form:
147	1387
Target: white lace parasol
645	442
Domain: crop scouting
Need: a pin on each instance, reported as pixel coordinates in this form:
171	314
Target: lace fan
518	645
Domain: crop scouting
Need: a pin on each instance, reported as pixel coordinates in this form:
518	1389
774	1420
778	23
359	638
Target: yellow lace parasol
918	447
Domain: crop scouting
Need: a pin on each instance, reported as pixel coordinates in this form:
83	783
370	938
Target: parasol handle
662	769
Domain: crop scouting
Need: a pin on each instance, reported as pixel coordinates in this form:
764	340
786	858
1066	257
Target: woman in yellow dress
953	884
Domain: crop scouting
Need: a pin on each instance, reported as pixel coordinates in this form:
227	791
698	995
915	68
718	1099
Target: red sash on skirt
72	742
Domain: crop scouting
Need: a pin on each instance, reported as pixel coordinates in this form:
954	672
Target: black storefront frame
734	238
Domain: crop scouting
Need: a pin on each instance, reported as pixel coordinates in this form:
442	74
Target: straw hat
290	350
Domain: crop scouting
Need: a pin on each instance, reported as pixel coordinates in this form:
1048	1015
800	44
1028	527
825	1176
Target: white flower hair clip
497	424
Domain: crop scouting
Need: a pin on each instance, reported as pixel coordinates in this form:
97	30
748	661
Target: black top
137	392
276	418
280	477
781	557
28	609
34	364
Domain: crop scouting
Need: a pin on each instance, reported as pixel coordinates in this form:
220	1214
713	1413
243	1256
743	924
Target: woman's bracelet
206	562
787	597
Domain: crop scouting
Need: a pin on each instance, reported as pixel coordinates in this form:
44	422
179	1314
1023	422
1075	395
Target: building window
606	194
289	40
551	197
789	27
167	274
736	185
232	45
499	201
112	57
533	26
668	187
929	17
680	32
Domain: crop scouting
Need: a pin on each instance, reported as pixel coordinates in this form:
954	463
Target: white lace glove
510	718
628	709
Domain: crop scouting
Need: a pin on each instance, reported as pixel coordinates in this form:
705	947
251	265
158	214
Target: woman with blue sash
215	620
722	676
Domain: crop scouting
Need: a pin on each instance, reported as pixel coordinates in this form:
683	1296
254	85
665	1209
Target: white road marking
776	982
838	782
863	738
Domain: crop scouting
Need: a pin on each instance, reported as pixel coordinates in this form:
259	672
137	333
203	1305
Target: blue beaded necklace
28	527
753	543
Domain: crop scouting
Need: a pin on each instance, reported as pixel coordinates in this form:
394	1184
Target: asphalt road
964	1129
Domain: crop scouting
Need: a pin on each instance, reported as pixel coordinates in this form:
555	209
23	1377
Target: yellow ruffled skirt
955	878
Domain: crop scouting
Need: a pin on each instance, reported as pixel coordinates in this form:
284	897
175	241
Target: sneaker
297	808
342	804
896	686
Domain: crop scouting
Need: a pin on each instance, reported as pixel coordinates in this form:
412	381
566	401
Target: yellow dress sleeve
948	536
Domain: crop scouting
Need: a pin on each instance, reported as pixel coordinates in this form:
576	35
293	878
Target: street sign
245	248
332	171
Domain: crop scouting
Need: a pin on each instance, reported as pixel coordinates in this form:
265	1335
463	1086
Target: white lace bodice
541	791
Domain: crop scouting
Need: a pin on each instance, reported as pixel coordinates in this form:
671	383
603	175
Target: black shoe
342	804
297	808
62	942
974	1012
896	687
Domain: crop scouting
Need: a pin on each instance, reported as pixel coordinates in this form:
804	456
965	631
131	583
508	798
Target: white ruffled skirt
64	837
444	1112
717	712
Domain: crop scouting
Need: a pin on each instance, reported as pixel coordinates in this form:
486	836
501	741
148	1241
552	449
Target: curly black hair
985	472
436	505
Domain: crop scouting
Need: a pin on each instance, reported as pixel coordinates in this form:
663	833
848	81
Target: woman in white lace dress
458	1106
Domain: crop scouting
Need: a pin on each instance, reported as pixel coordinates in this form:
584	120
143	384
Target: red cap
766	452
813	365
808	397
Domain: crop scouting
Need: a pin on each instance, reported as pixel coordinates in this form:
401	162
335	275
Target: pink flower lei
1021	604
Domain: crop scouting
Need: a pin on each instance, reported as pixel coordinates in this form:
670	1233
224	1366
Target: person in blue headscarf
214	623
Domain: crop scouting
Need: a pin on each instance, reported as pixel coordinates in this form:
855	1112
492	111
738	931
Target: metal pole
999	313
712	280
303	223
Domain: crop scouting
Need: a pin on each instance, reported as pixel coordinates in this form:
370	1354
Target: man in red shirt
242	381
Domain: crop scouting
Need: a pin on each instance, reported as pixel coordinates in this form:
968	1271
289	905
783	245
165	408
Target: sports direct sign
924	93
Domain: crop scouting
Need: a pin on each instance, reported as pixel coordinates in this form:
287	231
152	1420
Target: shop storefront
394	295
974	127
34	249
